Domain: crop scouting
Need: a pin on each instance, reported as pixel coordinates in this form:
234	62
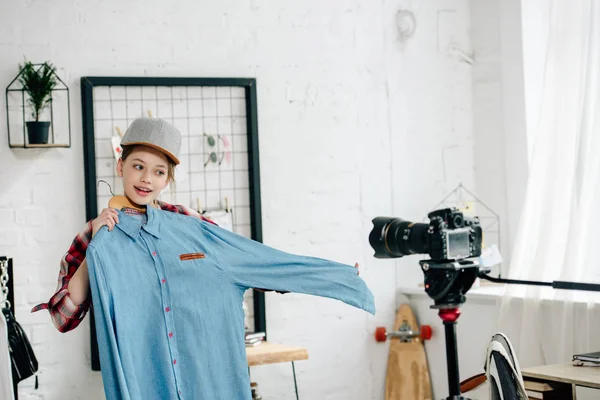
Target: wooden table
271	353
558	381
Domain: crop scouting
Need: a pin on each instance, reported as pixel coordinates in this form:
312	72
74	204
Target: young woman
167	289
147	166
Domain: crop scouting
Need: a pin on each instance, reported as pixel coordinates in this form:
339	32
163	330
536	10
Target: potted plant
38	82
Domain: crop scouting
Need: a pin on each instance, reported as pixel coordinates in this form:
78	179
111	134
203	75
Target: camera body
448	236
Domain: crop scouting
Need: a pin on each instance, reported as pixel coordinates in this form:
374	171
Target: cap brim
168	154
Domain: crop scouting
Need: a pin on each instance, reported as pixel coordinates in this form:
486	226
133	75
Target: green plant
38	81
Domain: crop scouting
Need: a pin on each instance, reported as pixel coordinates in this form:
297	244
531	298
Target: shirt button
170	334
174	361
164	280
167	309
153	253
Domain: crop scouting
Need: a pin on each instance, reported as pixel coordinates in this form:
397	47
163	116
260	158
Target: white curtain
559	231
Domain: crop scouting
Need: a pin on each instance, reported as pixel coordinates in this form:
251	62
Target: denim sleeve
112	375
251	264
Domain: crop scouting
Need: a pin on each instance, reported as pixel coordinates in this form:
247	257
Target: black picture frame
249	85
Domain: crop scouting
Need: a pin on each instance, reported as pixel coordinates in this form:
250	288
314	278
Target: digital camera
449	235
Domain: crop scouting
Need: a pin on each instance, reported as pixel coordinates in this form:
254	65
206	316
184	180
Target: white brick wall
352	124
488	113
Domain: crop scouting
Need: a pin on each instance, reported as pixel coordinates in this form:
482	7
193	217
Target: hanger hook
108	184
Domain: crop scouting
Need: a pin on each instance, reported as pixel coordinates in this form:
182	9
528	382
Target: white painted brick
35	294
42	334
352	125
7	217
19	198
31	216
9	239
4	200
40	194
28	394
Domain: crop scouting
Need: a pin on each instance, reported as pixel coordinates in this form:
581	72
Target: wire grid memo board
219	168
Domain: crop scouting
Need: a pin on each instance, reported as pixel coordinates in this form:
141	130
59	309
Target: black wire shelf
58	114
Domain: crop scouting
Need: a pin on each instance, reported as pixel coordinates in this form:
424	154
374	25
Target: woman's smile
142	191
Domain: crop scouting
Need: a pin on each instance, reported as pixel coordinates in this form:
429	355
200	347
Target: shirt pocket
200	267
191	256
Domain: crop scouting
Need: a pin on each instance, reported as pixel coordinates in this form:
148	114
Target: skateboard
407	371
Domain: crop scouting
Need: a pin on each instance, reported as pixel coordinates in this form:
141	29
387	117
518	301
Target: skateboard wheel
426	332
380	334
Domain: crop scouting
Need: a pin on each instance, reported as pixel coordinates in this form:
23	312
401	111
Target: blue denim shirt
167	299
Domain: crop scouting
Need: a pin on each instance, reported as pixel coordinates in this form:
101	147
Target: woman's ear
120	168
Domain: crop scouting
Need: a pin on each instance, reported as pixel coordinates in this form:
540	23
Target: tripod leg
452	359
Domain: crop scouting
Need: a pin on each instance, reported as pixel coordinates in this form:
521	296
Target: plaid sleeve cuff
65	315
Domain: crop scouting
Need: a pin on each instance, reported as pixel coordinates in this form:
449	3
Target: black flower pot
38	131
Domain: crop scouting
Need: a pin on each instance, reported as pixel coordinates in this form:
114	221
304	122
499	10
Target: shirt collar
153	224
131	226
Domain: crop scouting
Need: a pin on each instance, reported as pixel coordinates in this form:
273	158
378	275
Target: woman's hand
108	217
356	266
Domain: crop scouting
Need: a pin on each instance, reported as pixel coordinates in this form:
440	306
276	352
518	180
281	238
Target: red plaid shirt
66	315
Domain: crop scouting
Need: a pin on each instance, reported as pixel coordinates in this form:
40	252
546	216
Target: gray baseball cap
156	133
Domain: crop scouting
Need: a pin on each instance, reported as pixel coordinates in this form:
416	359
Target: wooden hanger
120	202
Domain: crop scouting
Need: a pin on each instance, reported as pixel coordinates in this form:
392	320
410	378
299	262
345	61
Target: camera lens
394	237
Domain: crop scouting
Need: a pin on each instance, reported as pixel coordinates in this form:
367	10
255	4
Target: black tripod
447	282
